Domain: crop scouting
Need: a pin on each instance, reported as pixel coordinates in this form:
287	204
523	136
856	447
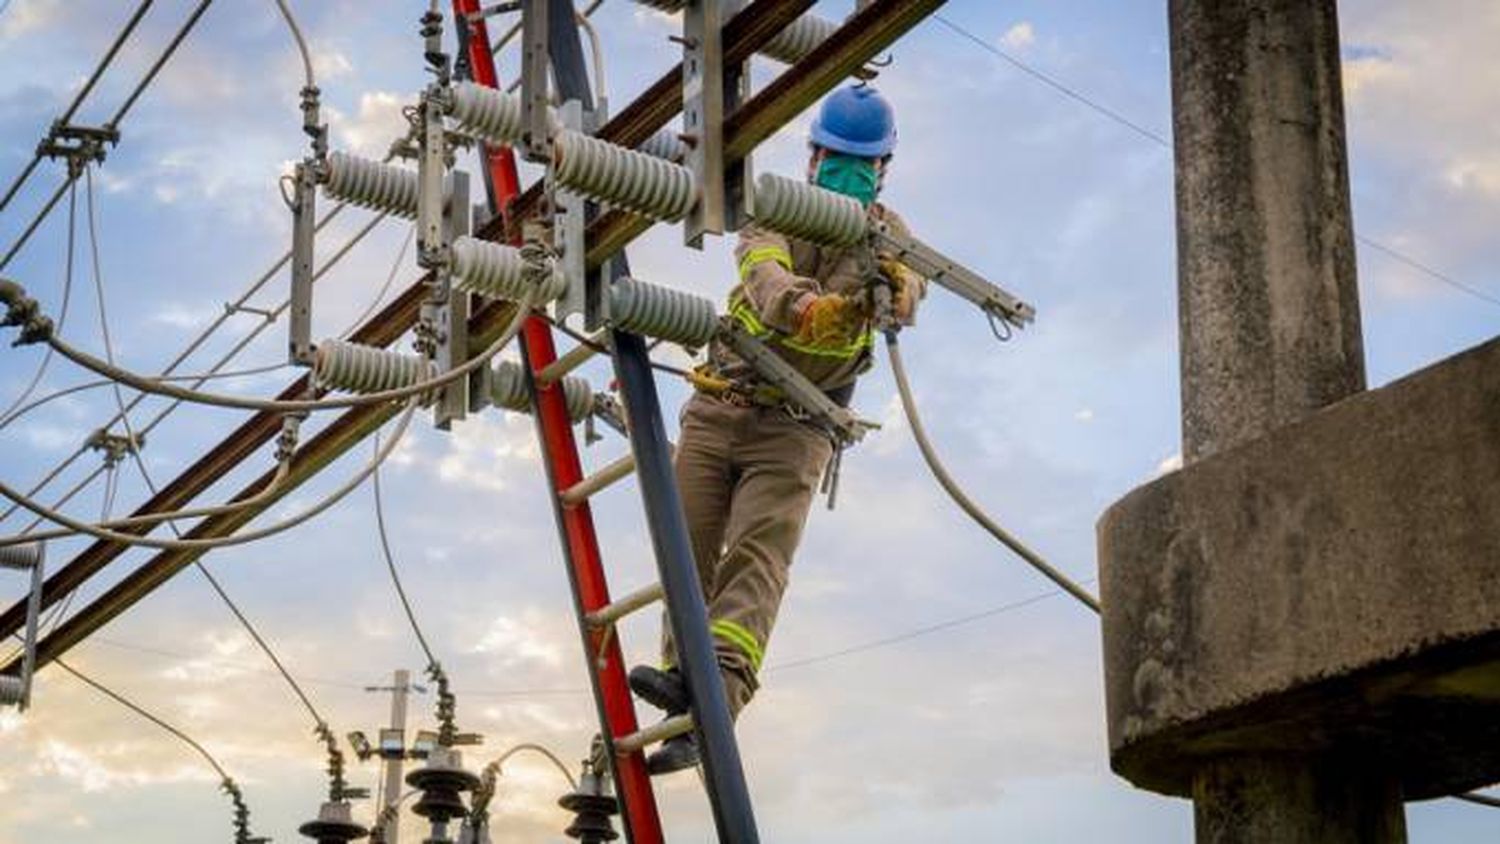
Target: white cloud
375	124
515	641
1019	37
25	16
1169	465
1084	414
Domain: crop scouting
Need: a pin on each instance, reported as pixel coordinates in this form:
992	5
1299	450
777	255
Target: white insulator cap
508	390
655	311
12	690
21	556
356	368
623	177
371	184
499	272
808	212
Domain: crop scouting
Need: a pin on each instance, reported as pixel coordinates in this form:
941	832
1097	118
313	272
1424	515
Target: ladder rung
575	358
670	728
584	489
639	599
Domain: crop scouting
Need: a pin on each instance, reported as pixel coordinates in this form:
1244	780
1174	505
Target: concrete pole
1269	307
393	767
1270	329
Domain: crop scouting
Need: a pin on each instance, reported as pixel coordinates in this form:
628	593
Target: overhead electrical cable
88	86
114	123
62	314
1161	140
956	492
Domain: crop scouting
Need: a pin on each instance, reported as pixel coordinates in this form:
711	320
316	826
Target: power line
390	564
78	99
1161	140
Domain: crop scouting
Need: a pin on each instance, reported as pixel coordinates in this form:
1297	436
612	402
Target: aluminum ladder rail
651	456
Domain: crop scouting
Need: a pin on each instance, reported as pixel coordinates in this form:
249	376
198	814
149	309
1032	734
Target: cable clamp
114	447
79	145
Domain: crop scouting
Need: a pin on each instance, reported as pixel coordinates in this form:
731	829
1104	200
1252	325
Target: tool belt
705	379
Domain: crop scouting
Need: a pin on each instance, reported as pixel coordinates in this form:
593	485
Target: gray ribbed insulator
12	690
499	272
665	144
370	184
797	209
623	177
792	44
655	311
20	556
508	390
490	114
355	368
789	46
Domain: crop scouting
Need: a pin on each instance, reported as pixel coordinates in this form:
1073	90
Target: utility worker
746	466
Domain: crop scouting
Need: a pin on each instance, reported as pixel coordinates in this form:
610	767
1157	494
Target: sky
921	684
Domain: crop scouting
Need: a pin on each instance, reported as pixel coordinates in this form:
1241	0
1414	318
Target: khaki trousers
747	477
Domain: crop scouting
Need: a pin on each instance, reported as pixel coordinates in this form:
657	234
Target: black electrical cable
78	98
114	122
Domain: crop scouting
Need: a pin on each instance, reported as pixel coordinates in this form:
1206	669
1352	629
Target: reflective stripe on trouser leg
778	463
706	482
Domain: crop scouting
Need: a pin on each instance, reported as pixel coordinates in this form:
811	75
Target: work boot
664	690
675	754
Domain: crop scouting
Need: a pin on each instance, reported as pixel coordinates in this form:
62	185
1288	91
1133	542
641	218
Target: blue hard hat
856	121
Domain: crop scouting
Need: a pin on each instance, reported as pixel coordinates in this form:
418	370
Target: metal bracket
945	272
114	447
304	222
451	348
585	295
79	145
710	91
535	67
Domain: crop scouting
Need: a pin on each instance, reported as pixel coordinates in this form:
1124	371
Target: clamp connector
312	123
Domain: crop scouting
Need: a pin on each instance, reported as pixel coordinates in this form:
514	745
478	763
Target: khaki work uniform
748	472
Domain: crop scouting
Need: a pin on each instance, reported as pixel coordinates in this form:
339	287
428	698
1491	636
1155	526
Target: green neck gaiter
849	176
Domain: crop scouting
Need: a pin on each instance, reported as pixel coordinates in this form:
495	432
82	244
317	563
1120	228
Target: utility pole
392	747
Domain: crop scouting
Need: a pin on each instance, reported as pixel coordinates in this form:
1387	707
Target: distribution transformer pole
393	749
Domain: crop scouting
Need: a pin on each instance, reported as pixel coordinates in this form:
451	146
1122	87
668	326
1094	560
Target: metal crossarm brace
711	88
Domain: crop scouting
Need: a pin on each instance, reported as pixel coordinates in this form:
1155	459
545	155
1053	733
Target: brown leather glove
906	288
831	320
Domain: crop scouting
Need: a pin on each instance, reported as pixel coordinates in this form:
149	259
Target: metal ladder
650	457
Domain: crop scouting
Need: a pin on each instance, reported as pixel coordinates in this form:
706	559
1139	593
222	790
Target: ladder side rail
612	697
724	776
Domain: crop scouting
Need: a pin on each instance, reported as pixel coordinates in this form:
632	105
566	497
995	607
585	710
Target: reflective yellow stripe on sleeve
761	255
740	638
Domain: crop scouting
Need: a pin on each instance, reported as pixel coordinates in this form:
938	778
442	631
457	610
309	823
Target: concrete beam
1331	589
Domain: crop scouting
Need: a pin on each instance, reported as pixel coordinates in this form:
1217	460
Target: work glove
906	288
831	320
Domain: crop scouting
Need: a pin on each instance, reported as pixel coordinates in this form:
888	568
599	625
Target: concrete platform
1333	586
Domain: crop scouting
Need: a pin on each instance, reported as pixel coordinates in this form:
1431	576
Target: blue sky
988	729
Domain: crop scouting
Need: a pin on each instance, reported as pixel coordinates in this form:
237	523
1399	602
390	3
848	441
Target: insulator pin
655	311
499	272
23	557
797	209
622	177
508	390
359	369
371	184
12	690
